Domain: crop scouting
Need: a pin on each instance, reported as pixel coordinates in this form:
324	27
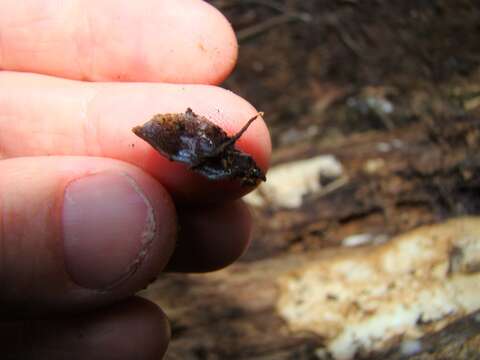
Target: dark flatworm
207	149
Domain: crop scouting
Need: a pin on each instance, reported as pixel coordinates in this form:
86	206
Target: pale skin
75	77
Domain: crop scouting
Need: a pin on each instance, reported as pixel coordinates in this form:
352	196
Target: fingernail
108	224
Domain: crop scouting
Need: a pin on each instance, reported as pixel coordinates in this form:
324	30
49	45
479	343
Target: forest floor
388	94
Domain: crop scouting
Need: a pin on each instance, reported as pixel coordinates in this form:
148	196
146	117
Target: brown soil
317	63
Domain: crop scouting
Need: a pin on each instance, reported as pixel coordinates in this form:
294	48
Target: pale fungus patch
364	298
289	183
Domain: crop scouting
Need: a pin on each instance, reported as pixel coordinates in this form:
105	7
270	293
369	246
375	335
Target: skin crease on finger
149	40
76	118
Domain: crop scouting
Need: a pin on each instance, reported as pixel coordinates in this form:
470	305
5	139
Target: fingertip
185	41
224	46
211	238
222	107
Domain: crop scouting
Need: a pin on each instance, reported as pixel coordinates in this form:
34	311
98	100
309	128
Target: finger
42	116
134	329
185	41
211	238
78	232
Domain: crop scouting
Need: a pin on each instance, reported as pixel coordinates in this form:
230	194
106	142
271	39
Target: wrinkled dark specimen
204	146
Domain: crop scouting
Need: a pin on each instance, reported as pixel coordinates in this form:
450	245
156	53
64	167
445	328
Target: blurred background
367	235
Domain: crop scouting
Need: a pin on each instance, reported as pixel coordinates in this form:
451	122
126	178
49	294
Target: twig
285	16
257	29
344	37
224	4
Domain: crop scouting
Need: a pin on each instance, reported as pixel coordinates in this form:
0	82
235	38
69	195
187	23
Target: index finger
185	41
42	115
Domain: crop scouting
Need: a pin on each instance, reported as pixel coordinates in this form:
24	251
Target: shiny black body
204	146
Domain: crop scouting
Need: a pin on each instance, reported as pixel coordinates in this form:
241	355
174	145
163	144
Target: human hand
89	212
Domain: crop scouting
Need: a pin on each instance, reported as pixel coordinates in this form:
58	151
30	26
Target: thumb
79	231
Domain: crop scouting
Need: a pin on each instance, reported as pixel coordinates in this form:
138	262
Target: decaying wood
428	177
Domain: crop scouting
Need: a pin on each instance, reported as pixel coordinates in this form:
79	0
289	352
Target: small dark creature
207	149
